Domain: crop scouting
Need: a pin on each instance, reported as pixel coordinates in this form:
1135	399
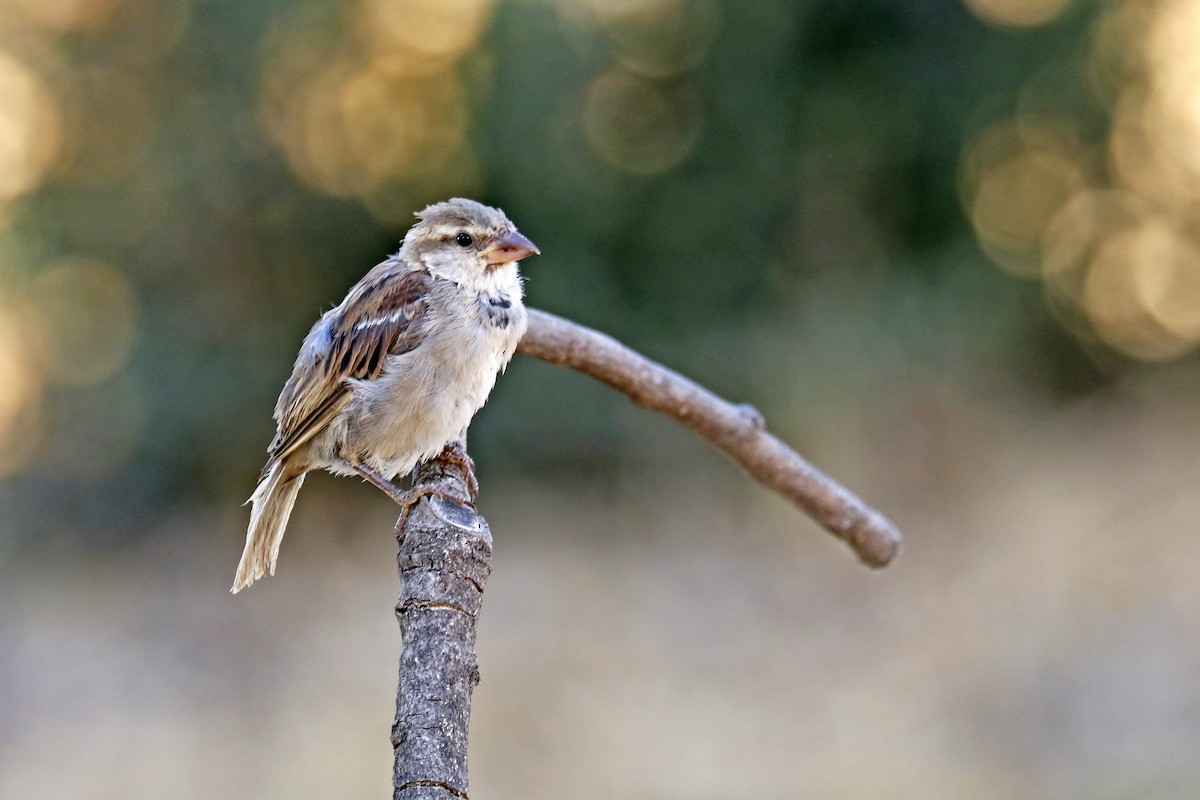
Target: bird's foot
414	495
454	453
446	476
436	477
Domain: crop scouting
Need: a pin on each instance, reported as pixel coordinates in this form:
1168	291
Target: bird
398	369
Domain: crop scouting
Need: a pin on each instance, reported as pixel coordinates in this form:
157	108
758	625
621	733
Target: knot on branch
752	417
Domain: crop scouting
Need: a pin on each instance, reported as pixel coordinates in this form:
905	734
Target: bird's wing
384	315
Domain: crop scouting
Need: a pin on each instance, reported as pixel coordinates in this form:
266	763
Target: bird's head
467	242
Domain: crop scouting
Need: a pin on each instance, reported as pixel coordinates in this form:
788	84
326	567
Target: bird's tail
271	506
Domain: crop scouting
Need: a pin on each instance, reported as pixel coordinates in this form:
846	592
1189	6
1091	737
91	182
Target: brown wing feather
383	315
385	321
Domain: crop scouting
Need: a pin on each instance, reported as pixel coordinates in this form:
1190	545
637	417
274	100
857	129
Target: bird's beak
512	246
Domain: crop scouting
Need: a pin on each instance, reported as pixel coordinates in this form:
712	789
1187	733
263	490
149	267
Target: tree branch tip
874	539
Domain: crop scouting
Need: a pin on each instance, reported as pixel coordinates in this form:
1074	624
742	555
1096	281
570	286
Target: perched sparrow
394	373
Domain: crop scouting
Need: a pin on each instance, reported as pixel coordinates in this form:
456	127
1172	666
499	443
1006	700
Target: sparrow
398	369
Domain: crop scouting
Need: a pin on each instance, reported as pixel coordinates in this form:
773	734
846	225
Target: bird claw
455	454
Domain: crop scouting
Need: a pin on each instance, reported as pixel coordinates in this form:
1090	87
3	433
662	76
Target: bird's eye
463	239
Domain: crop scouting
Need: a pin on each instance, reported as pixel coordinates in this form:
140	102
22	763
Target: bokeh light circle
30	129
85	312
639	125
1017	13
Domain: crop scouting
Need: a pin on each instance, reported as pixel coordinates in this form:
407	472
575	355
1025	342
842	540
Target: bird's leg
446	475
408	499
379	482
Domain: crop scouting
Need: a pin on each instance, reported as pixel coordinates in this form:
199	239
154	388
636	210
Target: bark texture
445	551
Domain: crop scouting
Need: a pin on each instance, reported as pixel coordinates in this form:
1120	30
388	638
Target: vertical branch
445	551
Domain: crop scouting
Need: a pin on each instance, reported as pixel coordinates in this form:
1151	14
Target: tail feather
271	506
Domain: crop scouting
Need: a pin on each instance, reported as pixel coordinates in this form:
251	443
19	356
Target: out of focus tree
779	196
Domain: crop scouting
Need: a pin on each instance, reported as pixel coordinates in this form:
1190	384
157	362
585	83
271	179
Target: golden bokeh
421	36
20	394
30	129
1116	238
1017	13
351	130
1076	230
68	15
84	314
402	126
1139	281
1156	143
1039	163
640	125
365	111
1166	267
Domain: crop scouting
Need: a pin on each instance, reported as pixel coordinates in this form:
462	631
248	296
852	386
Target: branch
737	431
445	553
445	547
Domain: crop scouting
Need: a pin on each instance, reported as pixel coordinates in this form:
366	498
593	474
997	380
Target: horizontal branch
737	430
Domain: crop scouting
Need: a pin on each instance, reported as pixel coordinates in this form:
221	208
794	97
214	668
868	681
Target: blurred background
951	248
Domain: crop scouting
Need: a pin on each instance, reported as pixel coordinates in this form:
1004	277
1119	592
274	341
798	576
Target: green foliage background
810	242
950	248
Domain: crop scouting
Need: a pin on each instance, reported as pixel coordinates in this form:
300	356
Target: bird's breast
426	397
